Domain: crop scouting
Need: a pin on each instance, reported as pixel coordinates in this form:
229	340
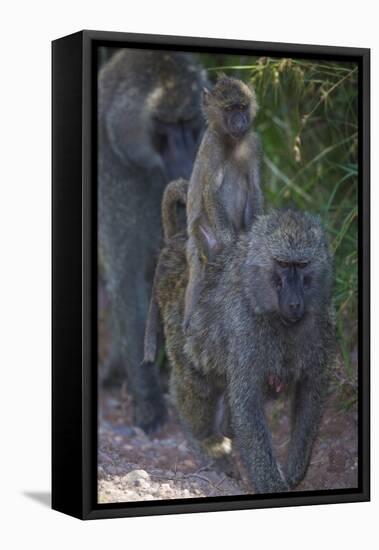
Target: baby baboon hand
217	446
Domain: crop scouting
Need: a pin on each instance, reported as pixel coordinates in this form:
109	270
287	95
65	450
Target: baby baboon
263	314
175	195
224	191
150	124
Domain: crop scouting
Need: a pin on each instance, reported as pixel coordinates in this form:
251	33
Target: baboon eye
302	265
285	265
278	282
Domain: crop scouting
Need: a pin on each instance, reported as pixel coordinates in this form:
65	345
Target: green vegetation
308	123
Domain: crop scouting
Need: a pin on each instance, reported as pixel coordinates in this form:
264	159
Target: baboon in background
224	191
149	126
263	314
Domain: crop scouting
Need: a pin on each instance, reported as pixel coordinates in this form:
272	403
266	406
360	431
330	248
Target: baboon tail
175	194
151	331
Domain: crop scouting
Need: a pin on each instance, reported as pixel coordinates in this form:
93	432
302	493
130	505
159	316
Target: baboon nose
295	310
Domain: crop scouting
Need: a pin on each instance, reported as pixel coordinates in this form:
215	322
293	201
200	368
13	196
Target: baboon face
177	143
292	280
289	270
150	103
174	104
236	119
230	107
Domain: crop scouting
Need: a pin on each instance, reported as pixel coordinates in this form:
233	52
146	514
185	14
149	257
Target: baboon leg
143	379
307	410
109	358
252	436
111	372
153	325
197	400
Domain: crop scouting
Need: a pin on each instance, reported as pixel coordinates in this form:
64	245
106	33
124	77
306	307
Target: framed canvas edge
89	506
66	421
222	43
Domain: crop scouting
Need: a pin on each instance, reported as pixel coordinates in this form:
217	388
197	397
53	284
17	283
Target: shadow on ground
43	498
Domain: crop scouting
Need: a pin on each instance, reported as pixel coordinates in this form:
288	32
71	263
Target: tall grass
309	131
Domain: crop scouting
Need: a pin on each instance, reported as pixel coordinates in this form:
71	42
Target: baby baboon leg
197	401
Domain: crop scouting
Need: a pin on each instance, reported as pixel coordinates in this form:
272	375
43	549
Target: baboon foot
227	466
219	448
277	485
150	415
294	478
114	378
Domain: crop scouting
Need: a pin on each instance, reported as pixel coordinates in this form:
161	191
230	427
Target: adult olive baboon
224	191
150	123
263	315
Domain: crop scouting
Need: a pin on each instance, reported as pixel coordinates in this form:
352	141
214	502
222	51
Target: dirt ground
133	466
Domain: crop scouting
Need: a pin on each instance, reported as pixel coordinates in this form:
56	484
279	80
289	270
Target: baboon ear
206	94
212	245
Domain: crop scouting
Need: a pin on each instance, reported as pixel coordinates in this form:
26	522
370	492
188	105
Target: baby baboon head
230	107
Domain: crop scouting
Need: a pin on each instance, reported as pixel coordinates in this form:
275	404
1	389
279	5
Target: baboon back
263	317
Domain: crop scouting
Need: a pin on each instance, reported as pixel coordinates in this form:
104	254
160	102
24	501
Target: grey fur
175	195
239	343
149	124
224	192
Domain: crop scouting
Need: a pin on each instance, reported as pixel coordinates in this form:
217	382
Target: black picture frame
74	273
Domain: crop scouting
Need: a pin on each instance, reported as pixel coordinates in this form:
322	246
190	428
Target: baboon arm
307	408
132	146
212	205
252	435
211	229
